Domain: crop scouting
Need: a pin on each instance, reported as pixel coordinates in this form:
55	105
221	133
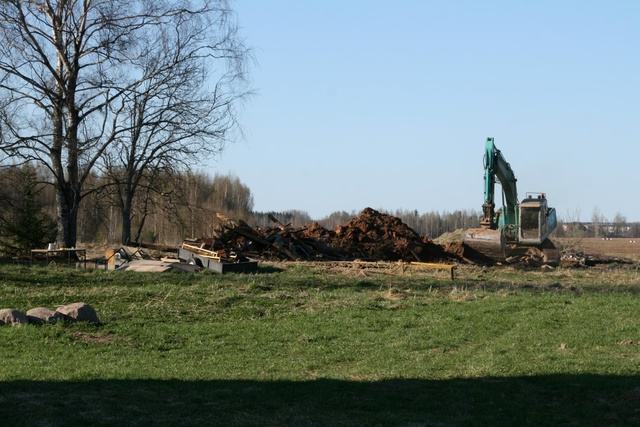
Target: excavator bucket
489	243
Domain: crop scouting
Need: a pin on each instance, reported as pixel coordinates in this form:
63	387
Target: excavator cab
537	219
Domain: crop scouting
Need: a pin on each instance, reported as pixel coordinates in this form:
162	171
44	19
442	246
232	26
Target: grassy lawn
317	345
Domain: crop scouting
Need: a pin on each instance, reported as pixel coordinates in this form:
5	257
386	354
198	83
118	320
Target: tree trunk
67	215
125	237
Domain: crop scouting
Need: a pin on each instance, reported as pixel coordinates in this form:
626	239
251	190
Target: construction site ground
376	240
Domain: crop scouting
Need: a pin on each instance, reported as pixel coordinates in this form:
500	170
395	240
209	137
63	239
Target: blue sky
388	104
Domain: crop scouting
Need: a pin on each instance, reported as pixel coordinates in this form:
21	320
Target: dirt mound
379	236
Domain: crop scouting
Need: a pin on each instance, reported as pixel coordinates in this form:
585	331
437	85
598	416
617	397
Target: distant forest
176	207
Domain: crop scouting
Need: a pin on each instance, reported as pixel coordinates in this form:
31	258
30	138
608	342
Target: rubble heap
369	236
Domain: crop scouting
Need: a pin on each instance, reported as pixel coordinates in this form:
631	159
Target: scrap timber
282	242
372	236
219	261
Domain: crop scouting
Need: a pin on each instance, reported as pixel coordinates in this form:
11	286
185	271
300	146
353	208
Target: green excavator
518	227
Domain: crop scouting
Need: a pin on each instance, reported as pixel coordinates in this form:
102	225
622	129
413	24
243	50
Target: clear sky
388	104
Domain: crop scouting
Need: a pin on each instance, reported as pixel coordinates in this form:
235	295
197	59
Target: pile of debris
370	236
580	259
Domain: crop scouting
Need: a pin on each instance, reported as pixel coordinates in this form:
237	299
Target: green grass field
325	345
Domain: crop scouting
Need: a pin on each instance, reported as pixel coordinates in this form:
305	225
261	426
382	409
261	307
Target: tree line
175	207
179	206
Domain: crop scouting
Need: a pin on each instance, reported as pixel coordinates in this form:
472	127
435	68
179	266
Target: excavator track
491	245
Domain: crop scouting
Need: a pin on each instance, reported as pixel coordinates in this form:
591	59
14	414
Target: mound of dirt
378	236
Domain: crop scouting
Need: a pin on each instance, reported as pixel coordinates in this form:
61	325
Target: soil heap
378	236
372	236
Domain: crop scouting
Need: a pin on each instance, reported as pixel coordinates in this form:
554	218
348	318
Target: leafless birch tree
120	85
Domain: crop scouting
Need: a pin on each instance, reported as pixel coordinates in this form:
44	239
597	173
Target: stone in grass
40	315
11	317
79	312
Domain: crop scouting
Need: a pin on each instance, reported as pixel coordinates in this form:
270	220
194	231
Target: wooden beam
450	267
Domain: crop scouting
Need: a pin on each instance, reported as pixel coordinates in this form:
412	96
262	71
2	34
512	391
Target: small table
49	254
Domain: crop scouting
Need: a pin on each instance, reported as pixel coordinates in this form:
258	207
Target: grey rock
39	315
79	312
11	317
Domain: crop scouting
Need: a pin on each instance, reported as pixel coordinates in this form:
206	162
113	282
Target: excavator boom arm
497	169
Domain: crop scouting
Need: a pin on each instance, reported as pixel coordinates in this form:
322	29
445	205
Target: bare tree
71	71
596	220
620	227
183	109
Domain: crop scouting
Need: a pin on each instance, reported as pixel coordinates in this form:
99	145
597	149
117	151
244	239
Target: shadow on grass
269	269
580	400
